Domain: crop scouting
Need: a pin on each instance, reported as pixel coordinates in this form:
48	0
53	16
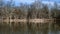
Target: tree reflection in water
27	28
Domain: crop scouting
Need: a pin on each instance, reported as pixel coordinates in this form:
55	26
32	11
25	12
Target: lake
29	28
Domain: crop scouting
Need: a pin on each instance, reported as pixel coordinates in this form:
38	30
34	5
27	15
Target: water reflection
28	28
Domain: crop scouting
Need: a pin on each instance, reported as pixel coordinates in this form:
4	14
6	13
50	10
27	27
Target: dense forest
32	11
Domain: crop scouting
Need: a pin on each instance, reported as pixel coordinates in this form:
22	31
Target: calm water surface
29	28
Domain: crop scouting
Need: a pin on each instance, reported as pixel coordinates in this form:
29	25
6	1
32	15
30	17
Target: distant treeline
34	10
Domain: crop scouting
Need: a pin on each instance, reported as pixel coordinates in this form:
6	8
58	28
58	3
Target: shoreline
26	20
